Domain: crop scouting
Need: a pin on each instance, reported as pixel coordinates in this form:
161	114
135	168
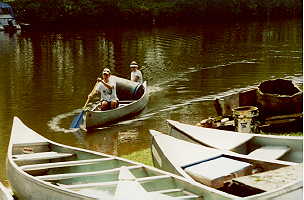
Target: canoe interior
85	175
165	157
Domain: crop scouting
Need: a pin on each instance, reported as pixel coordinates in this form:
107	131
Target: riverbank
151	12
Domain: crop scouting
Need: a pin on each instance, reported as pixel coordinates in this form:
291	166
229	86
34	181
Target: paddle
78	119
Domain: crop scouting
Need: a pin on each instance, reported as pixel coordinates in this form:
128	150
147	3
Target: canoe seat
125	102
63	164
216	171
40	156
270	152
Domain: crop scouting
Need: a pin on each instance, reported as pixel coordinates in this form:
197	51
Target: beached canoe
40	169
130	103
271	147
5	193
215	168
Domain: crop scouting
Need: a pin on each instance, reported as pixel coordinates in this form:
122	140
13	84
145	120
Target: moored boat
40	169
287	148
218	168
7	20
133	97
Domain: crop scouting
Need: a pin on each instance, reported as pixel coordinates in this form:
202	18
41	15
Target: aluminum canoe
287	148
40	169
218	168
96	118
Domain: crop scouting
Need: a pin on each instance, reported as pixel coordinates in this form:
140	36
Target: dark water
45	77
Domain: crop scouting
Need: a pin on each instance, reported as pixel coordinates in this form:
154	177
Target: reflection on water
45	77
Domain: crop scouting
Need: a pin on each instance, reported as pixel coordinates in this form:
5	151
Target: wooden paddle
78	119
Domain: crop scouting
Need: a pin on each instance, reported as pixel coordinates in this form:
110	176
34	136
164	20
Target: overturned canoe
130	103
40	169
287	148
212	167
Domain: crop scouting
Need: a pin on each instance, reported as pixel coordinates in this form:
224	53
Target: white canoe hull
85	174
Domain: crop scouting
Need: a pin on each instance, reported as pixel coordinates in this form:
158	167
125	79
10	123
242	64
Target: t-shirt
106	93
138	74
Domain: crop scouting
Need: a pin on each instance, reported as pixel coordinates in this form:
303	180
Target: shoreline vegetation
151	12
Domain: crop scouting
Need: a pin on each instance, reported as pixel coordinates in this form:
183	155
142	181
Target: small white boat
218	168
7	20
130	104
287	148
40	169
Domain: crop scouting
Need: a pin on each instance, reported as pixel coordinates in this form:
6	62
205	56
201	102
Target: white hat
106	71
133	64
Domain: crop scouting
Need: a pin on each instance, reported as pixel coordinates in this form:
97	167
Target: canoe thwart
40	156
54	177
216	171
270	152
109	183
63	164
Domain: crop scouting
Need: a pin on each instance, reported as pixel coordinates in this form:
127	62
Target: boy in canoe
136	74
106	86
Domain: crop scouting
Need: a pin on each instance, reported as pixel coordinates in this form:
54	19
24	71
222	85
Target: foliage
139	11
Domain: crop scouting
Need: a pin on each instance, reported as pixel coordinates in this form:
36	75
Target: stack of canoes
39	169
221	169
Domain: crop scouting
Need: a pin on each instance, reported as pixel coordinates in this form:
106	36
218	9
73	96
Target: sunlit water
45	77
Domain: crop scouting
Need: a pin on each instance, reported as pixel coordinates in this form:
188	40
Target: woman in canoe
107	89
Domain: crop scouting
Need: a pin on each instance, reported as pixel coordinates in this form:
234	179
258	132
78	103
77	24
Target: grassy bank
152	11
142	156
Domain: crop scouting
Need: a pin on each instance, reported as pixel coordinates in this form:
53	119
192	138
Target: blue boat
7	18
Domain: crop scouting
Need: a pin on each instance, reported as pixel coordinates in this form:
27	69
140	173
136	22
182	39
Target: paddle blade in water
77	120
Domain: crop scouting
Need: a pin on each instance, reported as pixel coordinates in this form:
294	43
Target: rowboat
40	169
287	148
130	103
217	168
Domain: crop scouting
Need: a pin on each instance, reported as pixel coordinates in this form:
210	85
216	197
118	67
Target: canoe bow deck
40	169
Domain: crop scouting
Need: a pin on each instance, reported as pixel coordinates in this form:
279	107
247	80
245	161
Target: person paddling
106	86
136	74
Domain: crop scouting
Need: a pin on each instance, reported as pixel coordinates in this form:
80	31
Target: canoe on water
40	169
287	148
218	168
133	97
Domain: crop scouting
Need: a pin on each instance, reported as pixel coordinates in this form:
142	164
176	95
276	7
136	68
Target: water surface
45	77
